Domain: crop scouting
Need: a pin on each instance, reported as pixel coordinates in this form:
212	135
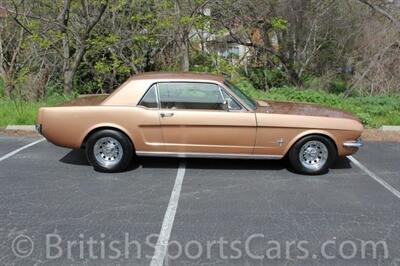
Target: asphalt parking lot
230	212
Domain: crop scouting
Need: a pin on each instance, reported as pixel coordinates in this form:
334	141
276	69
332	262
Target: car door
195	118
147	119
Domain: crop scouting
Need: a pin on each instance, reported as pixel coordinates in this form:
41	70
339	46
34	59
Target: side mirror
225	105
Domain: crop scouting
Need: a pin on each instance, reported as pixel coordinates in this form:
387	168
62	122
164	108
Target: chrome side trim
208	155
354	144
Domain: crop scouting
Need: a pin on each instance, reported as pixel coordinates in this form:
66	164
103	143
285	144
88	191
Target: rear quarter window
150	100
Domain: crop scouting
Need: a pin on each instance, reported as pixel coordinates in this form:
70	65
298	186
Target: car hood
292	108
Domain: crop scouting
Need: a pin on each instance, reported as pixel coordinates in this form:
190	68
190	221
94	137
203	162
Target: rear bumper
39	128
354	144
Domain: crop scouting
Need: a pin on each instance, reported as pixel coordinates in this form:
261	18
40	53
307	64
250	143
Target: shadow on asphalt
78	157
236	164
342	163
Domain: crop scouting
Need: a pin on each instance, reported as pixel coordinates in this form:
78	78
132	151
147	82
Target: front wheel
313	155
109	151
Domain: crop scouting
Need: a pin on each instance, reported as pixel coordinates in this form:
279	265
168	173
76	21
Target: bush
373	111
337	86
213	63
265	78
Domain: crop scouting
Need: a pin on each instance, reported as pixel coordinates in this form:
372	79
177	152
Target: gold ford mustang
198	115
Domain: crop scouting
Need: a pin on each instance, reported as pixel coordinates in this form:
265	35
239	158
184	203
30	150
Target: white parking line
8	155
375	177
163	238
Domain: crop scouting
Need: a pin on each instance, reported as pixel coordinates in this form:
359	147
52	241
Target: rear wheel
313	155
109	151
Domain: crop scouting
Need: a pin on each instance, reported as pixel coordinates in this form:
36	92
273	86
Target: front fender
307	133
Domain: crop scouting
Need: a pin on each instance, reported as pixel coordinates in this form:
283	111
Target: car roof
179	76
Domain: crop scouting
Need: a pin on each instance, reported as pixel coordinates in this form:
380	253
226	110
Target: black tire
123	161
294	155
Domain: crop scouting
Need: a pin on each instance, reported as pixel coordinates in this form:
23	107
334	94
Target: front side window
149	100
247	100
232	104
186	95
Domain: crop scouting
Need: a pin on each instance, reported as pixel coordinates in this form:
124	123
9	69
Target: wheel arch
105	127
325	134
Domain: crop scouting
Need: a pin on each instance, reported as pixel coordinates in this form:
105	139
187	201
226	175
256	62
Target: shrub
337	86
373	111
264	78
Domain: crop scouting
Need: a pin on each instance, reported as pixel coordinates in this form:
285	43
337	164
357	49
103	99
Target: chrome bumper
39	128
354	144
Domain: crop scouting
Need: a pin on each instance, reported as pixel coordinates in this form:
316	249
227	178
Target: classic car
198	115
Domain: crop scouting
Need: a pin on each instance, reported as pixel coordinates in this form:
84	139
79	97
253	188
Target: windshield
246	99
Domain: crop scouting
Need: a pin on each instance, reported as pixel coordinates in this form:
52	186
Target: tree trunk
68	79
7	81
8	87
293	77
185	54
383	12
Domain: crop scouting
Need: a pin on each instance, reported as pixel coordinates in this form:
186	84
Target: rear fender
100	126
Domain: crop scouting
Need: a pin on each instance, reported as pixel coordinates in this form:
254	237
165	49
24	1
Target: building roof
179	76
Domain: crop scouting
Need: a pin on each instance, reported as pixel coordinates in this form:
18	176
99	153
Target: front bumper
354	144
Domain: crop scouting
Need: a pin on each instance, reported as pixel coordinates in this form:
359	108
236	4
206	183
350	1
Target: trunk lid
86	100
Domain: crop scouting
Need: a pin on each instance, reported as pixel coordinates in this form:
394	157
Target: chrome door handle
166	115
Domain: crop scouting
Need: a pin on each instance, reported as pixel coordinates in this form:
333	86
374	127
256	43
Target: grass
20	112
373	111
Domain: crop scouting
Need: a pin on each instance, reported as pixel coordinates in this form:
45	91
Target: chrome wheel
108	151
313	155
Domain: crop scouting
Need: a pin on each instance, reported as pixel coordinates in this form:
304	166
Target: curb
390	128
21	127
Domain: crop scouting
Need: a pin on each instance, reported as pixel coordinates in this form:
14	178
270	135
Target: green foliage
105	66
264	78
373	111
20	112
313	82
279	23
54	89
212	63
338	85
87	87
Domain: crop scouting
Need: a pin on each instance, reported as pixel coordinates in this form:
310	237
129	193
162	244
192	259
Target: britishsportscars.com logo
256	247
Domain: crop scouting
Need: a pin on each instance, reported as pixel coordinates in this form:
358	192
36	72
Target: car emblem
280	142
